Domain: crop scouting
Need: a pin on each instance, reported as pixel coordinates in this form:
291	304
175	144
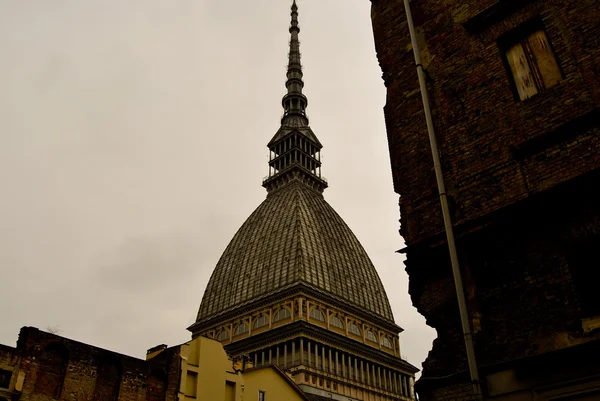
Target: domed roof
294	237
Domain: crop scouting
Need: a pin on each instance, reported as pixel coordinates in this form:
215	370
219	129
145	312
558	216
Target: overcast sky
133	144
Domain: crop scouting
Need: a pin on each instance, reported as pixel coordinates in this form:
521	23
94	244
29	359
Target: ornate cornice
299	288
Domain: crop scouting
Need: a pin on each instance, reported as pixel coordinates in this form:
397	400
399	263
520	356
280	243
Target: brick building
515	93
45	366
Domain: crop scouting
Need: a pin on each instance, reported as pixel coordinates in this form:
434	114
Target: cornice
301	288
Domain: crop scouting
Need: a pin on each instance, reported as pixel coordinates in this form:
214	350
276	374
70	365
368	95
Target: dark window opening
5	376
584	264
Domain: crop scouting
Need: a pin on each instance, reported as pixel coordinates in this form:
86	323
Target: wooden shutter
544	58
521	71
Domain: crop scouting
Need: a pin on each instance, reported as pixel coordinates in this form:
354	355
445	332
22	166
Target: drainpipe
462	306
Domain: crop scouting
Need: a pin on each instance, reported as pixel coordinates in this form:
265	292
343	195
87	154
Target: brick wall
57	368
491	145
521	177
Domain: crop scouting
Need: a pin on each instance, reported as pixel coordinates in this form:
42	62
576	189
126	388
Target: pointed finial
294	102
294	150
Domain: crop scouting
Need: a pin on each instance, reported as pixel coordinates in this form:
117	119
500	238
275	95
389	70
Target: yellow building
207	373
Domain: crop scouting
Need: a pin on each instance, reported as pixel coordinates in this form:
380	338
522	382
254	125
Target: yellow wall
207	374
204	362
271	382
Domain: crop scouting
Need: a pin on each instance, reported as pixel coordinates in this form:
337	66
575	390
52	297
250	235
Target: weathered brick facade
522	177
45	367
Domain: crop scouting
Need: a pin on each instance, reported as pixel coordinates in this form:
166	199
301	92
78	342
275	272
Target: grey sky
133	144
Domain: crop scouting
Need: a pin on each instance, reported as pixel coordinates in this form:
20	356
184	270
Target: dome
294	237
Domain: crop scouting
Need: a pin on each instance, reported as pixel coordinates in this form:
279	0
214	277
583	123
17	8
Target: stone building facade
45	366
515	93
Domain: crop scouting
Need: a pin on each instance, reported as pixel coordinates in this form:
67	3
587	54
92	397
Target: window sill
590	324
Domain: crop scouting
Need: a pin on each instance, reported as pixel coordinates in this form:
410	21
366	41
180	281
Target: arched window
336	322
353	328
370	336
317	315
283	313
260	321
386	342
242	328
223	335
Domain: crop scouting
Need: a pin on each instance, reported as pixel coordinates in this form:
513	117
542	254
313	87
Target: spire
294	102
295	151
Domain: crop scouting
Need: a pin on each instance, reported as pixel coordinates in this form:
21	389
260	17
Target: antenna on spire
294	102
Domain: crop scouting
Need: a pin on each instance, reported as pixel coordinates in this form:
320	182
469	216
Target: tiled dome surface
294	236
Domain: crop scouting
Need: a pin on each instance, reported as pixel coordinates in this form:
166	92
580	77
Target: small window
336	322
583	265
281	314
5	376
531	62
262	395
223	335
386	342
242	328
260	321
353	328
317	315
371	336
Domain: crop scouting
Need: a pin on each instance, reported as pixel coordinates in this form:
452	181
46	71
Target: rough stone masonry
522	173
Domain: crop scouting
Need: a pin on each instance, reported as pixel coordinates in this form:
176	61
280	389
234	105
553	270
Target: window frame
371	336
321	315
358	331
262	395
521	36
239	333
277	317
262	318
331	322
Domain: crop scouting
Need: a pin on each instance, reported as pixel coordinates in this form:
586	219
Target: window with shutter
531	62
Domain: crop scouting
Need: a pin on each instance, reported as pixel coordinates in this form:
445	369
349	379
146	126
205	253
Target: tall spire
294	102
295	151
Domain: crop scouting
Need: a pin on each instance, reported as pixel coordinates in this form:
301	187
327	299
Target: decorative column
301	351
278	361
330	370
337	365
362	371
293	352
350	368
285	355
375	384
308	349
